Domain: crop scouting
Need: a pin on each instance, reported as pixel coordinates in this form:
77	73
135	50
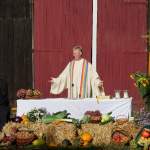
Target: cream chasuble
80	79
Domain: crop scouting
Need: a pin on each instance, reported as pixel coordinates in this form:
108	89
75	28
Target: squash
86	138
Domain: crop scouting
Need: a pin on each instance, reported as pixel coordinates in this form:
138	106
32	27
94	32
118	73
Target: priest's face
77	54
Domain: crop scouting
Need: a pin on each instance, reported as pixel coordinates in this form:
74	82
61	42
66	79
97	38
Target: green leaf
86	119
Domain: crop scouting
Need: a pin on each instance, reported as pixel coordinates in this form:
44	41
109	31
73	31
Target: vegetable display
36	114
37	126
91	116
143	138
59	116
120	137
106	118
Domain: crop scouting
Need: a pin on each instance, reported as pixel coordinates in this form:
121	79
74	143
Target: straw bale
56	133
101	133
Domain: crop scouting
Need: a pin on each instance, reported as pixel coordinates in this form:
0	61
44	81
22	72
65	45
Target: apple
145	134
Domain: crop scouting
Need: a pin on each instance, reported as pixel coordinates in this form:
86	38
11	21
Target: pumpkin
86	138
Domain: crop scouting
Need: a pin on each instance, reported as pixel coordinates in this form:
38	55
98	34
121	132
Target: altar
119	107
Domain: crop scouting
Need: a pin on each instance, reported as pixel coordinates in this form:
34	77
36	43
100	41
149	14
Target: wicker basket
24	140
128	127
126	137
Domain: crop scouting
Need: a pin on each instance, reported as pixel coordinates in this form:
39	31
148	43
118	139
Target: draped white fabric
62	82
77	108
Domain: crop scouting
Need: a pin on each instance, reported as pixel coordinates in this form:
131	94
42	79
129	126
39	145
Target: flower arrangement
142	82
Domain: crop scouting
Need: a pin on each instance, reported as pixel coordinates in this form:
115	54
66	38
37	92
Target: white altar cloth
119	107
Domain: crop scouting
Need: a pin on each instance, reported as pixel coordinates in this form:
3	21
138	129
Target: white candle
125	94
117	94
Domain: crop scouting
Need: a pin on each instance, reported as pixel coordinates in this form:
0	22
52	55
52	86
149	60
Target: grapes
95	116
93	113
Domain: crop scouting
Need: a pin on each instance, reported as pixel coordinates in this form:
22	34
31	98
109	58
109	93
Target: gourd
86	138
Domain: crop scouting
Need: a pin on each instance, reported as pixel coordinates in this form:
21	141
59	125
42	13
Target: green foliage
55	116
61	114
86	119
142	82
36	114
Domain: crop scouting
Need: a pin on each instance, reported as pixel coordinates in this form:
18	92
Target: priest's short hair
78	47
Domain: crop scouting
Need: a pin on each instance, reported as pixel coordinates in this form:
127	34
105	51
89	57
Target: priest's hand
51	80
100	84
101	87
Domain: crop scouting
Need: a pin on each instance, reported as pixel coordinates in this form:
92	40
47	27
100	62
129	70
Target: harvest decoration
142	82
86	138
143	137
25	119
57	129
28	94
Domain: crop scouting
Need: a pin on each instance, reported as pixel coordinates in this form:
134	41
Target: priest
79	77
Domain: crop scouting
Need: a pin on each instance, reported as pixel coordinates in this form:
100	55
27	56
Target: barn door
121	48
58	26
16	45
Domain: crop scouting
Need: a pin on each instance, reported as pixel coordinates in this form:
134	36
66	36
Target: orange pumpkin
86	137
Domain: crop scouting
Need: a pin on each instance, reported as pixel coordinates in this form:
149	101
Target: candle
117	94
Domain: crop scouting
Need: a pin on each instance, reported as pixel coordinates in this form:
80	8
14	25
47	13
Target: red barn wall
58	26
61	24
121	49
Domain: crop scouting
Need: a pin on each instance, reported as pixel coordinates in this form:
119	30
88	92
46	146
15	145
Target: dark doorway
148	36
16	44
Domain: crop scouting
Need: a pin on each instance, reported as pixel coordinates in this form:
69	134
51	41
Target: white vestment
80	78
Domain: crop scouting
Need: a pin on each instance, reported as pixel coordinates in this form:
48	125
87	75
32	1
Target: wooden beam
94	34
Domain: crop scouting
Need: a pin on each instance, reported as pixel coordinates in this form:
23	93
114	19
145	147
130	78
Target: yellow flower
146	81
25	119
144	84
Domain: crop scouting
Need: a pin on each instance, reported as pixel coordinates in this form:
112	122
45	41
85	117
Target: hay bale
57	132
101	133
40	129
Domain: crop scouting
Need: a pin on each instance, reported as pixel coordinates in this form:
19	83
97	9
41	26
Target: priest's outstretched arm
59	84
97	83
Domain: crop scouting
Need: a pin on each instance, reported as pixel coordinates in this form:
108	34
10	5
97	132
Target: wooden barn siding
16	45
58	26
121	50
